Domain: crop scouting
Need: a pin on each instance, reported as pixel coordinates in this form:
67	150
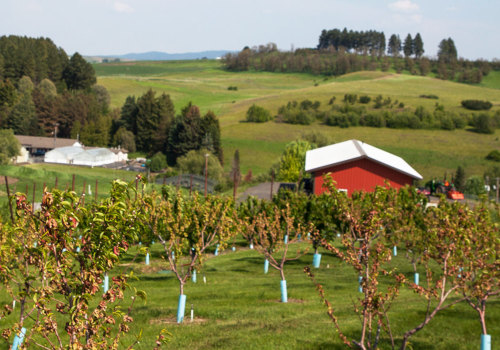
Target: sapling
268	231
187	228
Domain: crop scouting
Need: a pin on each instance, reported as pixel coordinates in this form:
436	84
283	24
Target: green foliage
9	146
158	162
292	162
364	99
303	113
257	114
79	74
125	139
476	105
317	138
459	179
431	96
483	123
475	185
494	155
194	163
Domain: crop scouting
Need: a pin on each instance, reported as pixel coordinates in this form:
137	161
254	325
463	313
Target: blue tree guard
266	266
316	260
18	339
395	251
105	285
234	248
416	278
193	277
216	250
286	239
485	342
360	287
284	295
147	259
181	307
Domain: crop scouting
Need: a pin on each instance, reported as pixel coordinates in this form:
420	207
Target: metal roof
343	152
44	142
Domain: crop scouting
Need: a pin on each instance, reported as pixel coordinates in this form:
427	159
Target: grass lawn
431	152
239	308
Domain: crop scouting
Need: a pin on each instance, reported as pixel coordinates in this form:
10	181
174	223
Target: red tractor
446	188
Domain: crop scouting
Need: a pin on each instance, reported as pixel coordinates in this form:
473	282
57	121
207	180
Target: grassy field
239	308
431	152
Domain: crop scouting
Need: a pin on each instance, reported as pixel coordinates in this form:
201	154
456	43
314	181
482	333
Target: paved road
261	191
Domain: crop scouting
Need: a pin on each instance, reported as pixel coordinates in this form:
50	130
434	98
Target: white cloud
404	6
122	7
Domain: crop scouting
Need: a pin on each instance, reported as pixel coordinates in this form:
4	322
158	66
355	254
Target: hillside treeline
341	52
42	89
379	112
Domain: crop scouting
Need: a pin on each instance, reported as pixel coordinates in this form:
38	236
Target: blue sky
94	27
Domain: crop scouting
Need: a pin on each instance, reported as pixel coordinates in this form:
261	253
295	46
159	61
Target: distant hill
161	56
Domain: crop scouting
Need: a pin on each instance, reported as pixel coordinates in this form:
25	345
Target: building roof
44	142
347	151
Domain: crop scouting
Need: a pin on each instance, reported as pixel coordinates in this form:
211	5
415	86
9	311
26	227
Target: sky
114	27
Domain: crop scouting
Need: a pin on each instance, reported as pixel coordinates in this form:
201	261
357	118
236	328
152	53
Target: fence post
33	202
8	197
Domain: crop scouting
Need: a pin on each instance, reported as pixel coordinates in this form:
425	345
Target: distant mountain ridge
163	56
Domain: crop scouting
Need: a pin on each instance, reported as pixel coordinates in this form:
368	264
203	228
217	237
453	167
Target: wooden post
136	187
43	188
57	181
164	180
8	197
27	190
206	173
33	202
73	184
498	183
235	184
190	184
272	184
95	192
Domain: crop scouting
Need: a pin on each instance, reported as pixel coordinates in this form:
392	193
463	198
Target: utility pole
206	172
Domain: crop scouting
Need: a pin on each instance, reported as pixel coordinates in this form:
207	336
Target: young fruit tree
52	263
273	232
365	249
187	228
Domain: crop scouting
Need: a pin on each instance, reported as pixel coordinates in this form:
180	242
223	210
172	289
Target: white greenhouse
77	155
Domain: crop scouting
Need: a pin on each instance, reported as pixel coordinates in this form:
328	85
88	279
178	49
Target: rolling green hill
205	83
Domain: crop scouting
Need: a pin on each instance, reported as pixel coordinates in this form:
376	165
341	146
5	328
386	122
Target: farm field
431	152
239	308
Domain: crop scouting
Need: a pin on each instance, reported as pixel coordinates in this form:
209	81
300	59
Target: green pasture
239	308
205	83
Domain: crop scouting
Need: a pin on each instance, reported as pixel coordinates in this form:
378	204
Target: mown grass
205	83
239	308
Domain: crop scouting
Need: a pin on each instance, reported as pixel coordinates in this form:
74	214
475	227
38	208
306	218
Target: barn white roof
343	152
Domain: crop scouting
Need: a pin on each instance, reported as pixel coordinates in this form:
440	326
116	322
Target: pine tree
394	45
418	46
408	46
79	74
459	179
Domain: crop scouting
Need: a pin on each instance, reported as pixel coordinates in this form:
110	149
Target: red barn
357	166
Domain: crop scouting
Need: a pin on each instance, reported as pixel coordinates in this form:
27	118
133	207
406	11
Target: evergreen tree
394	45
447	51
418	46
129	114
185	134
459	179
408	49
211	135
79	74
22	118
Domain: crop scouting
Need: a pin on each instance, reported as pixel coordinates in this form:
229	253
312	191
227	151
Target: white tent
77	155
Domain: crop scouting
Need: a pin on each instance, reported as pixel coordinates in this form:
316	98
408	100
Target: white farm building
87	156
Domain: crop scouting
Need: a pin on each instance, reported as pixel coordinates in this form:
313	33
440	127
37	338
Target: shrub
257	114
365	99
483	124
232	88
476	105
475	185
494	155
158	162
432	97
350	98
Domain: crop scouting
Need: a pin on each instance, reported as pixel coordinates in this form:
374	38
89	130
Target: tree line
340	52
